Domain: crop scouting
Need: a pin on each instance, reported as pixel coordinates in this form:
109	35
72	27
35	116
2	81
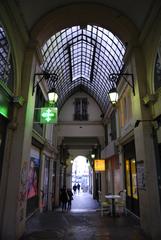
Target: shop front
46	183
131	178
33	181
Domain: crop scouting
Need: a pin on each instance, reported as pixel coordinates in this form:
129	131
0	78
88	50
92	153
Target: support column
149	195
150	214
17	157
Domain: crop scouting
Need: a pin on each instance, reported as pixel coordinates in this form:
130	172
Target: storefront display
131	178
33	181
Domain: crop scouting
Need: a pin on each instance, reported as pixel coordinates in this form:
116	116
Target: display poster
140	175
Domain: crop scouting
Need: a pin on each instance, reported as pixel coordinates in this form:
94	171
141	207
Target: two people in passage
66	198
75	187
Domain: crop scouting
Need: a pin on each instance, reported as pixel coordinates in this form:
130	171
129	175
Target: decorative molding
126	138
149	99
38	137
79	123
18	101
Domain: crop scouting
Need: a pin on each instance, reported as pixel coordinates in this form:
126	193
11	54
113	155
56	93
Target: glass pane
133	177
157	73
128	187
6	69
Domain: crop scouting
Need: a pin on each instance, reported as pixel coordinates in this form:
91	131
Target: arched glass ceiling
83	58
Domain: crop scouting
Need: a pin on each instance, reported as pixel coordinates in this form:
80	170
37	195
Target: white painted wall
67	111
68	128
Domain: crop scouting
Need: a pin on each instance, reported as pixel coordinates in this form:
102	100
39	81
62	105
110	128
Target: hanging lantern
52	95
113	95
92	155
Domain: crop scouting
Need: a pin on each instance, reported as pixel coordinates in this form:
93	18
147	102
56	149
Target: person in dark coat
70	195
64	198
78	187
74	188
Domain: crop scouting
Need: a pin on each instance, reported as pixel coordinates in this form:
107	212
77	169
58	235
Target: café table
112	197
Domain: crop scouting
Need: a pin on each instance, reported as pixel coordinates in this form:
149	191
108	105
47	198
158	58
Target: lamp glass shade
113	95
53	96
92	155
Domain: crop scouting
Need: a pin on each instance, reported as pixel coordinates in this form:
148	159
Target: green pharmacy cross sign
49	115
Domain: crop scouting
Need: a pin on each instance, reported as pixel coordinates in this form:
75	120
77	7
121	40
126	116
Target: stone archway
83	14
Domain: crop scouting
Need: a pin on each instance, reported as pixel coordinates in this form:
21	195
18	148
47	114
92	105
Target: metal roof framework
83	59
6	66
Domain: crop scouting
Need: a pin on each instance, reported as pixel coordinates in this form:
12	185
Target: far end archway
81	174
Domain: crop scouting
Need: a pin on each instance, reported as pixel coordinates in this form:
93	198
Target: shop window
39	102
157	72
33	184
46	184
132	200
80	109
6	65
128	185
131	182
133	179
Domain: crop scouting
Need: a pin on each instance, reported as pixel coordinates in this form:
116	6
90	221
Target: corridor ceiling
83	57
32	11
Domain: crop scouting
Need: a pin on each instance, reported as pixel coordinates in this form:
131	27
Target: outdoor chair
121	203
104	204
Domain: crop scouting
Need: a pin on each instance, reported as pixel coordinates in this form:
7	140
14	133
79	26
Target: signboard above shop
99	165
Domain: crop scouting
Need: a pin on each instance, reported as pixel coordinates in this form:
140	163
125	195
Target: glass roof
83	58
6	73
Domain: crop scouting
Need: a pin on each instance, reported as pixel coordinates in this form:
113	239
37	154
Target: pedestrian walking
64	198
70	198
74	188
78	187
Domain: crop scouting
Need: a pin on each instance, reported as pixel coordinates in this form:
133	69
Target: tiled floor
83	222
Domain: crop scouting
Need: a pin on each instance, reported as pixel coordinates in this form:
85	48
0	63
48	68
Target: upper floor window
125	109
80	109
157	71
6	65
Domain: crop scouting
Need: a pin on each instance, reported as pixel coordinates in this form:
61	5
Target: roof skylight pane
86	58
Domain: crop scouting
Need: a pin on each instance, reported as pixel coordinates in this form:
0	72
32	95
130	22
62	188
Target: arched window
6	66
157	71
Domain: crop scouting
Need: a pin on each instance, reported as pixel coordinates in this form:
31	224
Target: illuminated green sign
49	115
4	105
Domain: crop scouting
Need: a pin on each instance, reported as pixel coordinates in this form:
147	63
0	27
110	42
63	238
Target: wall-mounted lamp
113	95
52	95
114	77
92	155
